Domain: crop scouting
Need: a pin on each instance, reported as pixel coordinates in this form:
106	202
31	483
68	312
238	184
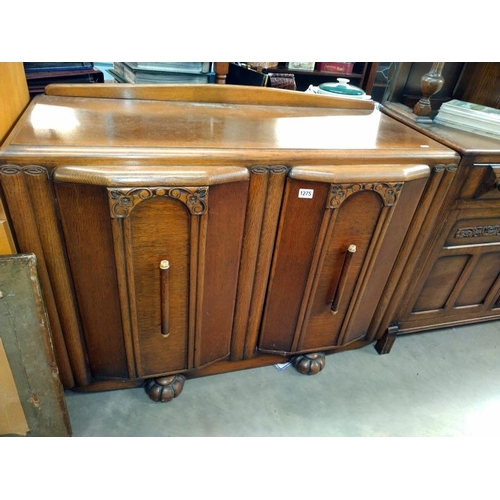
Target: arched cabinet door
339	235
173	245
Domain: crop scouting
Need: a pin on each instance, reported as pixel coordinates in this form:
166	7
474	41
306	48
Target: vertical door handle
339	291
165	298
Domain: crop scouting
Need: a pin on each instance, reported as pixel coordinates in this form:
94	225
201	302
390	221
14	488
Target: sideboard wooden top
466	143
75	130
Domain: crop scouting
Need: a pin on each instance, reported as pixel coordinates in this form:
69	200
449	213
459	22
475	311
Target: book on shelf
172	67
301	66
469	117
125	72
282	81
38	67
335	67
37	81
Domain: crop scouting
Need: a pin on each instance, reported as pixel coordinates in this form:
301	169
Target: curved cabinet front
155	271
336	246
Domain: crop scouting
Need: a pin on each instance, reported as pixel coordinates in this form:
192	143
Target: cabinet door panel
196	294
299	228
159	229
441	282
116	240
483	277
354	224
333	257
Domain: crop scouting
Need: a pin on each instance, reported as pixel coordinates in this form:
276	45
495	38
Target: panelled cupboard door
179	249
157	245
171	256
335	249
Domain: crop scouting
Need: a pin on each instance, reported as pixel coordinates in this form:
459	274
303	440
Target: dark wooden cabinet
186	231
451	276
457	280
464	281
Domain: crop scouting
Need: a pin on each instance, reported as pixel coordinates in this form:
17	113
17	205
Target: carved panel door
178	253
335	248
172	257
157	245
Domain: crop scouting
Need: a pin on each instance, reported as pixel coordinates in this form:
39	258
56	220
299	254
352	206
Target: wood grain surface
209	179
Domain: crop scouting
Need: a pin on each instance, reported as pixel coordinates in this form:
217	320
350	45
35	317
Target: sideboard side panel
226	218
88	235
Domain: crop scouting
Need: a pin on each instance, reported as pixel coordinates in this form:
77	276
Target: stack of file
470	117
163	72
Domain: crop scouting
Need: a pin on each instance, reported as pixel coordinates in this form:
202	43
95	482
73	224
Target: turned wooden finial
430	84
221	70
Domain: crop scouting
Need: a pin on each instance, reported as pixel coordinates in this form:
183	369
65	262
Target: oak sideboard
454	278
183	231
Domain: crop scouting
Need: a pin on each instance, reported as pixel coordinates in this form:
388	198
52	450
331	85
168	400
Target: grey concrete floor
435	384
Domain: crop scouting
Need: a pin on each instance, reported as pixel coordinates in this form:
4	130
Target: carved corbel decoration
123	201
388	191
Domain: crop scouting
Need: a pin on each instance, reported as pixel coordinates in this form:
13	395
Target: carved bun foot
164	389
309	364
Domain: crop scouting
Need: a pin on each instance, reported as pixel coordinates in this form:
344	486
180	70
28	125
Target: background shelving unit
372	77
303	78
